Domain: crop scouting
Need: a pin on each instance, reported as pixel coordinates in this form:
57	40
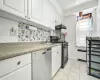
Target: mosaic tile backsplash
25	34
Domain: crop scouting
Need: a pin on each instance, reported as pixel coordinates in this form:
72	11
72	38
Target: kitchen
39	39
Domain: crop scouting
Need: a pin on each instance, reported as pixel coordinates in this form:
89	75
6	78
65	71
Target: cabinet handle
44	53
19	63
29	18
25	16
48	49
34	53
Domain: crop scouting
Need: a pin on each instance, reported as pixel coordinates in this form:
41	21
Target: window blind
83	29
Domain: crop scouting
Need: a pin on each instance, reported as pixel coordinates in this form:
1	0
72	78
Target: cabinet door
54	64
59	18
48	14
58	59
16	7
52	21
35	10
9	65
58	56
21	74
38	65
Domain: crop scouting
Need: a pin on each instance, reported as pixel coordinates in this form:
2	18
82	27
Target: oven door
65	54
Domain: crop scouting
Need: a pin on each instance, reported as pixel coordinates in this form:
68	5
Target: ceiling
67	4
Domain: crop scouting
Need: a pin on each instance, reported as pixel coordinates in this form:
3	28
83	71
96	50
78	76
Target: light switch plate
13	32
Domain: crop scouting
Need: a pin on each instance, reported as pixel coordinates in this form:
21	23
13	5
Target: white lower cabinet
20	74
56	59
32	66
54	69
9	65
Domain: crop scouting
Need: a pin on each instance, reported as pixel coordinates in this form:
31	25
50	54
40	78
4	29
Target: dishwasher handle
48	49
44	53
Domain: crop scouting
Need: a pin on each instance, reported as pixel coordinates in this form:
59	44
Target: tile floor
74	70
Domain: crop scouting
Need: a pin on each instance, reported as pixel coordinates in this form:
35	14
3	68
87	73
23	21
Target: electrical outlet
13	32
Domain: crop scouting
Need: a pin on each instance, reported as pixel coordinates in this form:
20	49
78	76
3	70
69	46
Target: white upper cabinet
35	10
39	11
52	21
48	14
16	7
59	18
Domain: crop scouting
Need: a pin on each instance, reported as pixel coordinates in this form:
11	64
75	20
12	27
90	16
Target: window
83	29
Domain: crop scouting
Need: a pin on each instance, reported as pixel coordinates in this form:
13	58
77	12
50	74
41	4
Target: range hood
61	26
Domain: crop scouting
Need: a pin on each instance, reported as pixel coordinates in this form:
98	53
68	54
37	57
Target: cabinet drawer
56	48
20	74
11	64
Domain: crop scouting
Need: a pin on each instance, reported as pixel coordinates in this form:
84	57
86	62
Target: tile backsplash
26	34
12	31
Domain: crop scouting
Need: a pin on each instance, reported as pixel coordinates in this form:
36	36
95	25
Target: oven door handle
65	47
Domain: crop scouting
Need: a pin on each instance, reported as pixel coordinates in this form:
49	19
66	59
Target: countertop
9	50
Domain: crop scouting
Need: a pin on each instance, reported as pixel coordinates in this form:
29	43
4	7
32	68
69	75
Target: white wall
94	14
81	7
70	22
98	18
57	7
5	26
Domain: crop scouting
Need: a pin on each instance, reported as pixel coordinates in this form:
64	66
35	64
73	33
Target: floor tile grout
76	69
69	73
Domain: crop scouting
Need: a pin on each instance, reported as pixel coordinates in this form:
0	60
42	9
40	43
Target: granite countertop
9	50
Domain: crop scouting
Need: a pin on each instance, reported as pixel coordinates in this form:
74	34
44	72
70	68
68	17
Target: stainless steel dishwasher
41	65
48	65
